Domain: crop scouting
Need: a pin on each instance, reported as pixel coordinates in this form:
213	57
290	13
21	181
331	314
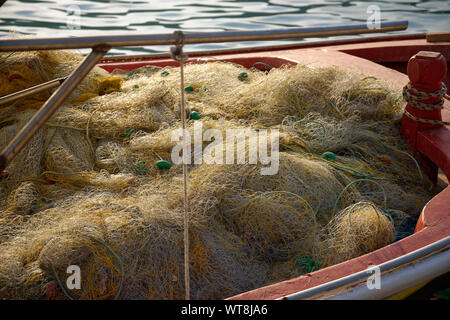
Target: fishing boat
405	265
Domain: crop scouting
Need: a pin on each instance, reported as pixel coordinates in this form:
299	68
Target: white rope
423	120
415	102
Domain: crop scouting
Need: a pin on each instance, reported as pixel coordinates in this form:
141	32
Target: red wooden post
426	70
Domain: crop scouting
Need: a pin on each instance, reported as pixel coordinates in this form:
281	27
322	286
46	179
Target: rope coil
415	100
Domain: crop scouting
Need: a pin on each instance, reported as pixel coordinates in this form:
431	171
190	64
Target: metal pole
192	38
52	104
33	90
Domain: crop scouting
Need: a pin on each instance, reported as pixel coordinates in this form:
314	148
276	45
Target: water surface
51	18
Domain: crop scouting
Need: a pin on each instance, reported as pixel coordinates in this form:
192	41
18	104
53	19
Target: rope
178	55
435	94
415	102
409	115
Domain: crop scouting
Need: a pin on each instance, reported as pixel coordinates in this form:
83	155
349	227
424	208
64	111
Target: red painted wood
435	144
426	70
394	52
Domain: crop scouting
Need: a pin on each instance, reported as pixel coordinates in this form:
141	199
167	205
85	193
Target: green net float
311	266
127	133
328	155
189	89
309	263
195	115
163	164
242	76
165	73
136	86
301	260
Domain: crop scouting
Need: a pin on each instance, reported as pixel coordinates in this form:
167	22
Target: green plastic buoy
127	133
165	73
307	262
163	164
312	266
195	115
136	86
328	155
189	88
242	76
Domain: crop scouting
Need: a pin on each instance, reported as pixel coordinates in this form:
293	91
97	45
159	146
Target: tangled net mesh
85	191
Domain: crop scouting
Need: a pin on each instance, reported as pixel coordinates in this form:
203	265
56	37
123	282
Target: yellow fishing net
86	191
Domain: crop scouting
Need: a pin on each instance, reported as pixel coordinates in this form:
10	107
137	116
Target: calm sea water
51	18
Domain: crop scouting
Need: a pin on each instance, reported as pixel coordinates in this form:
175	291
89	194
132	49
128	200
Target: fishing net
89	189
361	227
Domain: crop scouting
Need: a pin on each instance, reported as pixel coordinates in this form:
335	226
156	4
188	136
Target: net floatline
86	190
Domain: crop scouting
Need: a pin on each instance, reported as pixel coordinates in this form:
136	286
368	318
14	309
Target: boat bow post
423	117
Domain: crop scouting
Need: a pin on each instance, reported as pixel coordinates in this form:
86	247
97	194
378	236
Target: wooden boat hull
385	58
